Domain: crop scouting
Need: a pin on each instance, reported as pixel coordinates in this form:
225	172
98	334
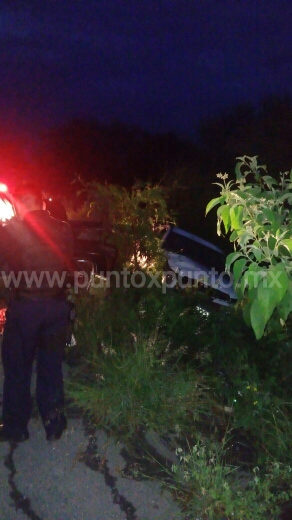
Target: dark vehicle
198	261
91	245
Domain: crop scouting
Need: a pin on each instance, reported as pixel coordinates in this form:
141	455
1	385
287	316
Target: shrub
210	489
256	210
131	219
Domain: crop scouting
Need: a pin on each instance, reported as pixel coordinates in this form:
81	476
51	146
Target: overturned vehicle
193	261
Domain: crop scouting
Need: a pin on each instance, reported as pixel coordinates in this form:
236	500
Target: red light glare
3	187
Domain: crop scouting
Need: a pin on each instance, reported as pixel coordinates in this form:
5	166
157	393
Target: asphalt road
83	476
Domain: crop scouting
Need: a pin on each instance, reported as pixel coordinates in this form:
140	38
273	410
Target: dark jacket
38	250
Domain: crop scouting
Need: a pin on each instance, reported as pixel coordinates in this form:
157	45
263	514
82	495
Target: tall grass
133	380
157	362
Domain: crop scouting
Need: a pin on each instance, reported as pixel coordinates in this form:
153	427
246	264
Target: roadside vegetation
212	380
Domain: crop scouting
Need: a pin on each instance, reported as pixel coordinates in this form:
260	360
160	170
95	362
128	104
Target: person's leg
50	391
18	349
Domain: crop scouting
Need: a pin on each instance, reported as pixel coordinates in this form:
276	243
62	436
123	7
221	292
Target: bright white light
3	187
6	210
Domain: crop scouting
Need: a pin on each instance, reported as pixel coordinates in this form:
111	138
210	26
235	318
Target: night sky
164	65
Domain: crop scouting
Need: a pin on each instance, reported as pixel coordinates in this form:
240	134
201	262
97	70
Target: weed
210	489
136	387
156	362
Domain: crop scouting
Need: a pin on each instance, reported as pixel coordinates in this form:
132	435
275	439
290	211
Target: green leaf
269	215
267	299
224	214
233	236
236	217
252	277
272	243
270	181
287	242
257	253
285	306
262	308
277	281
238	168
231	258
213	203
271	291
253	191
244	239
284	197
258	324
253	163
238	268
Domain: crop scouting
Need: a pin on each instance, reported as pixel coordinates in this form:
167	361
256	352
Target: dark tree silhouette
115	153
265	131
123	154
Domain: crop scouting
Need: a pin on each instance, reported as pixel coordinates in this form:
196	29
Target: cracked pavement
83	476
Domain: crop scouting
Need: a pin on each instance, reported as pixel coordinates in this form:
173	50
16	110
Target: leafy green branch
255	210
